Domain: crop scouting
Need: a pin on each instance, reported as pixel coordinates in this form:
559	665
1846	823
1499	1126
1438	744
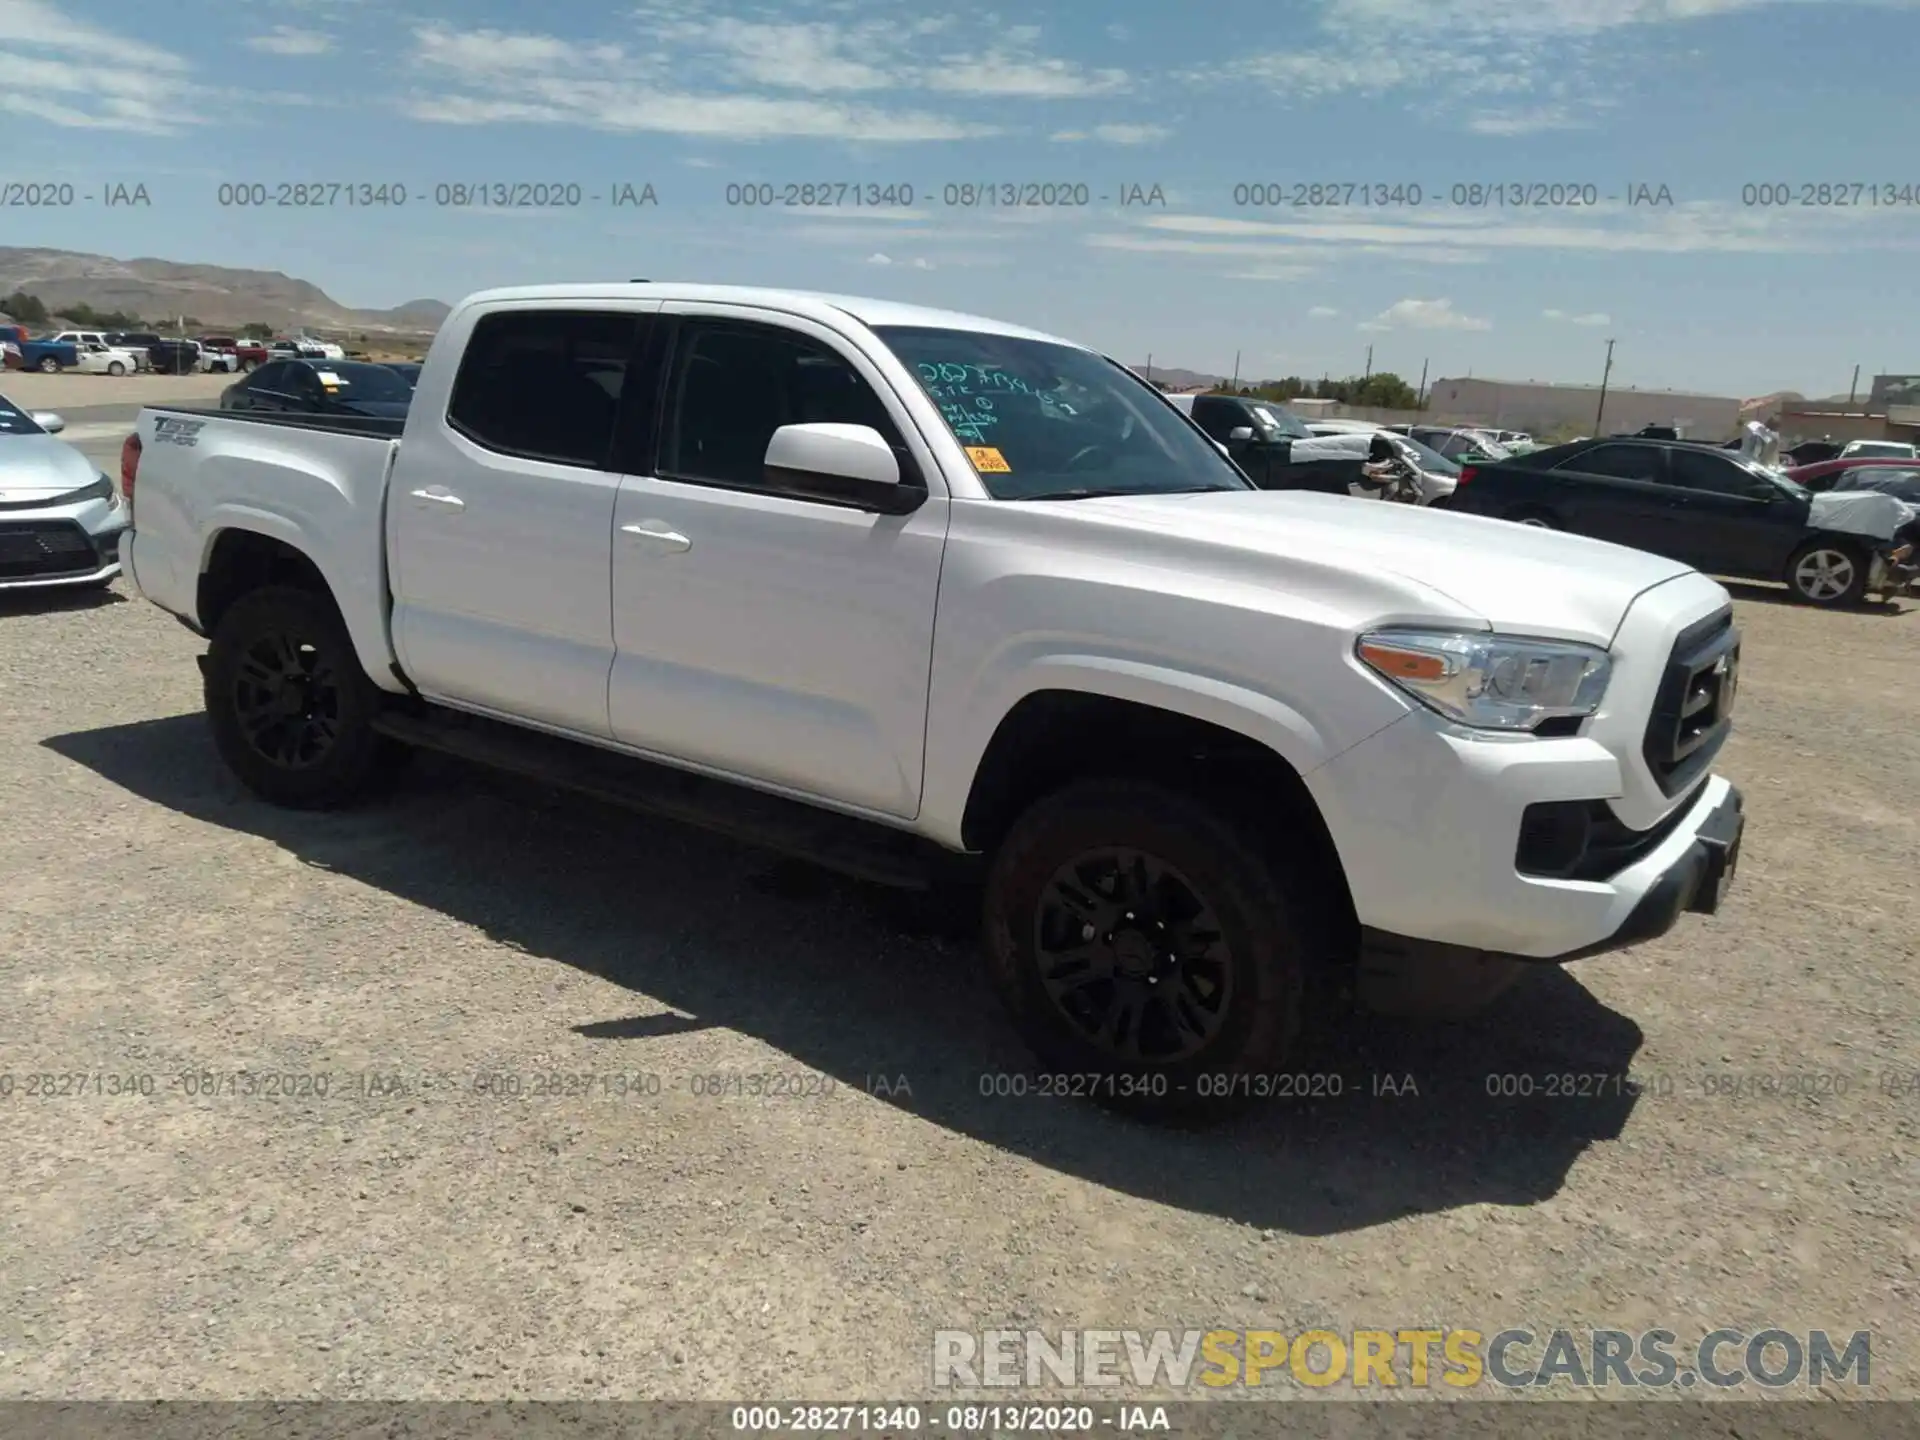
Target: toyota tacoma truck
922	595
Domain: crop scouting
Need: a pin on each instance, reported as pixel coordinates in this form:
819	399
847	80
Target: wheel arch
244	552
1057	734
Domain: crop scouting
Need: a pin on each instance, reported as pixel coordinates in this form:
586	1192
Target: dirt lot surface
672	1233
66	393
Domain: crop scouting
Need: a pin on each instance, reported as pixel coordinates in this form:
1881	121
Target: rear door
1730	521
500	512
1616	492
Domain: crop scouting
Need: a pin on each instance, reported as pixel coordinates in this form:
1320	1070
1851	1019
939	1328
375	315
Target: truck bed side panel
320	491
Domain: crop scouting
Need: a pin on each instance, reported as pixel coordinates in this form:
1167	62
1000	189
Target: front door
780	640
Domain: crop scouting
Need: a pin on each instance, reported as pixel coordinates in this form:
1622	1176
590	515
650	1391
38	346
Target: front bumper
1404	975
61	546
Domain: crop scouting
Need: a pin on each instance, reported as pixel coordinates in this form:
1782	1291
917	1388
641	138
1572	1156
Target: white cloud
919	262
1424	315
1465	51
1524	122
1592	318
287	40
1273	272
1466	236
1116	134
1322	312
66	72
819	71
878	259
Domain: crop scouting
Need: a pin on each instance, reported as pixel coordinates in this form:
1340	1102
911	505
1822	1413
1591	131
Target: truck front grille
45	548
1693	712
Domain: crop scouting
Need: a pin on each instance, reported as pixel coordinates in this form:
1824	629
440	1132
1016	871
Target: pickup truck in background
48	356
1705	506
924	596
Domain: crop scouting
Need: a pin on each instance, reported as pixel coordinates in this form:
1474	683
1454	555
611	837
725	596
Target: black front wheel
290	706
1146	949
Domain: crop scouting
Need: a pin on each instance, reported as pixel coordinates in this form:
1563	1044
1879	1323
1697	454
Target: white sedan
99	359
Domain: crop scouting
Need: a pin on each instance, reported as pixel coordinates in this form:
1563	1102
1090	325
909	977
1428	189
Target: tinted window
1217	417
267	377
1712	475
544	384
1622	462
734	385
1041	420
350	381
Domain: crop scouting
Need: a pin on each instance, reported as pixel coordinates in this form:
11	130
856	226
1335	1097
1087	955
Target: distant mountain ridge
216	295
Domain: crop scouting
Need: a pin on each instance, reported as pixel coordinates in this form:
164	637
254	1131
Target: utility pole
1855	390
1604	374
1236	372
1369	375
1149	367
1420	395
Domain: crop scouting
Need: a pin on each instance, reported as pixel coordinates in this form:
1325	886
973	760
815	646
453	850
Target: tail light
1467	472
129	466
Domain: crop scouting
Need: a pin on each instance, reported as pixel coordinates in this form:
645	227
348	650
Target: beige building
1546	409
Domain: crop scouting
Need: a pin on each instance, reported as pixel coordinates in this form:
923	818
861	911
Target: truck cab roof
813	304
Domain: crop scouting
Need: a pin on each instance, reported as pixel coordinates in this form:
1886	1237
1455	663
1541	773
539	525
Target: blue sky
1703	97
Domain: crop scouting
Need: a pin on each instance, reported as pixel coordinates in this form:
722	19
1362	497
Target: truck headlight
1489	682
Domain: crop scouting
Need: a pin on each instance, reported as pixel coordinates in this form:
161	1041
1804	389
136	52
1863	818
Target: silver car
61	517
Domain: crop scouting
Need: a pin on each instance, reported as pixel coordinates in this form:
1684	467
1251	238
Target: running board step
837	842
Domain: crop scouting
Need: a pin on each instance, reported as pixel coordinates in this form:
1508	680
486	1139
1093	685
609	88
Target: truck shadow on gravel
880	991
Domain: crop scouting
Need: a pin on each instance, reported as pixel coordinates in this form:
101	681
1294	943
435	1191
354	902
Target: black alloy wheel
287	700
1133	957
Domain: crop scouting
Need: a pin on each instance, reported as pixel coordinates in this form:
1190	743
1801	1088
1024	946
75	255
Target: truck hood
36	467
1520	579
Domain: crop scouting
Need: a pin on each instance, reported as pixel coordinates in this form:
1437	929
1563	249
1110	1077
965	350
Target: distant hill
1175	378
212	294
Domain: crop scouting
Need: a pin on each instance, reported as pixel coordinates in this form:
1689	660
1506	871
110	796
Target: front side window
1621	462
541	384
1042	421
735	384
1712	475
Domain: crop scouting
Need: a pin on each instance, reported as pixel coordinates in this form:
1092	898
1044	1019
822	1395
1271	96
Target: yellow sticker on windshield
988	460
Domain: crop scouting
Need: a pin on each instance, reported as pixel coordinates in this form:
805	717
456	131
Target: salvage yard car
60	517
98	358
918	594
320	387
1709	507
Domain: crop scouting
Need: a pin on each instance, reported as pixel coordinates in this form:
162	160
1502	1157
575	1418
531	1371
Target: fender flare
1260	718
372	644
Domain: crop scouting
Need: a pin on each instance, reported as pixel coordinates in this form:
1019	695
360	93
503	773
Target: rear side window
545	384
1621	462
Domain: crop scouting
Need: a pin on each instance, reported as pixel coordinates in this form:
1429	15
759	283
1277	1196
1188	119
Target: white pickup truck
900	589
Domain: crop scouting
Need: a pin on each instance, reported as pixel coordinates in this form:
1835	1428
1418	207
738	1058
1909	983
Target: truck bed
370	426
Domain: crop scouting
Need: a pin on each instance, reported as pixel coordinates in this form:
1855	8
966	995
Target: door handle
658	532
440	497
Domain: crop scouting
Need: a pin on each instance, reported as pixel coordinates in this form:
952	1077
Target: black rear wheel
290	706
1146	950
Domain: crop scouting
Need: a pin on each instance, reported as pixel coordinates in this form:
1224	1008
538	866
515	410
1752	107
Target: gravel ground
408	1235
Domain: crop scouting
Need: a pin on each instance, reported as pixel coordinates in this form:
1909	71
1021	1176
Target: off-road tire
1264	917
357	759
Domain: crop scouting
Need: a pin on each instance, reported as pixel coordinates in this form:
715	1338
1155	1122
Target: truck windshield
1279	422
1042	421
14	421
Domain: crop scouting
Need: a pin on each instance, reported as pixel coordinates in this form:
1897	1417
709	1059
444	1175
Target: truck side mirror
848	464
1239	434
49	422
